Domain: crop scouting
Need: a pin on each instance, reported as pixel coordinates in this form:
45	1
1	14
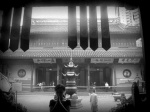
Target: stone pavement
39	102
105	103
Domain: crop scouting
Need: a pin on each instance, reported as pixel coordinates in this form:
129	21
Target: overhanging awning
77	52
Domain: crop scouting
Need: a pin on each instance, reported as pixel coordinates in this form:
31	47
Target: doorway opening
46	75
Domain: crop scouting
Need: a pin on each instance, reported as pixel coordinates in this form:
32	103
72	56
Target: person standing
94	85
106	86
94	101
60	103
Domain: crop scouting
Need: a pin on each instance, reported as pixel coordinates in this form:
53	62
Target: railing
88	88
121	87
43	88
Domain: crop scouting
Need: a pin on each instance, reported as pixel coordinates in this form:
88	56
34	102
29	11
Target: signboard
129	60
44	60
102	60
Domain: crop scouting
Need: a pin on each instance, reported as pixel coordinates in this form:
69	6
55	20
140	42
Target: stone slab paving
39	103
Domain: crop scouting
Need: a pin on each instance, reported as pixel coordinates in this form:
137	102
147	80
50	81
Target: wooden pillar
88	77
34	75
101	77
115	80
47	77
82	78
60	76
57	74
112	75
31	86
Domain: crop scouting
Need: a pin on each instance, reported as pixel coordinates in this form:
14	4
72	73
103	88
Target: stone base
75	103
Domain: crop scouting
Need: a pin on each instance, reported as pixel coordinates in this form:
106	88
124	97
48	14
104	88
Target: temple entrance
40	75
107	75
95	77
49	77
100	75
53	78
81	79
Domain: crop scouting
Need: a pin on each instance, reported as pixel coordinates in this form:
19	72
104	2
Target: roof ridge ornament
71	64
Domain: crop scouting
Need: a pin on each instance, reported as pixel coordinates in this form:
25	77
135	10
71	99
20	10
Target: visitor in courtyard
94	101
138	80
55	96
40	85
60	103
94	85
106	86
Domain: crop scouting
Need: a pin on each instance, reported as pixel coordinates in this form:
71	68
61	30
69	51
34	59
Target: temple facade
48	53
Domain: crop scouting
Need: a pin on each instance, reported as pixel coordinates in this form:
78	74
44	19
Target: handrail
78	86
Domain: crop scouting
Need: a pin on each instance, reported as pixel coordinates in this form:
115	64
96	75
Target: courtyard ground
39	101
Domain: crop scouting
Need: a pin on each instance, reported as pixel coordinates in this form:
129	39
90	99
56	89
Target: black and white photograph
74	56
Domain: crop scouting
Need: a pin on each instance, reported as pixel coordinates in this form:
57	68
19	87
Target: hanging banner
129	60
72	27
105	28
44	60
102	60
25	34
93	28
83	27
15	31
5	30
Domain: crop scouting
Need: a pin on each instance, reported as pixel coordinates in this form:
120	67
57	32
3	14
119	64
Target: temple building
49	51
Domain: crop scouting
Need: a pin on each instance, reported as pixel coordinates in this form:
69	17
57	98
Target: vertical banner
93	27
5	30
72	27
105	27
83	27
25	34
15	31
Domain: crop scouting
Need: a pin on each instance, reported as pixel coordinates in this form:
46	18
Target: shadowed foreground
39	103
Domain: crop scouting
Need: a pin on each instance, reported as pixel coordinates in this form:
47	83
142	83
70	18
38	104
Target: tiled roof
46	25
77	52
114	28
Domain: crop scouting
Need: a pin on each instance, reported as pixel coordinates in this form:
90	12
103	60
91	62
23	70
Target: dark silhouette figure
60	103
